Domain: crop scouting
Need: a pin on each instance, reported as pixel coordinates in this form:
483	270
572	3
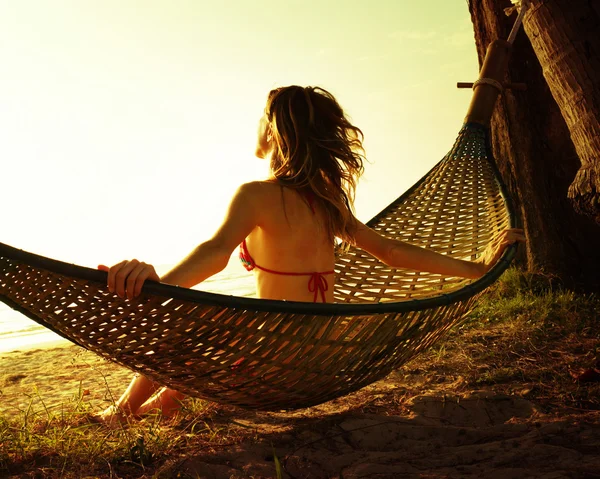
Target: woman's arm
399	254
212	256
208	258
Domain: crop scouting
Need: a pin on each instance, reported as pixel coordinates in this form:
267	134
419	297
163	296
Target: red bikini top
317	282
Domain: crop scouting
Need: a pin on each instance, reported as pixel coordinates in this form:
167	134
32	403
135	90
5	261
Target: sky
126	125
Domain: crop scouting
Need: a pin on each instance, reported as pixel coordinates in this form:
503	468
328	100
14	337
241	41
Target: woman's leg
167	401
140	389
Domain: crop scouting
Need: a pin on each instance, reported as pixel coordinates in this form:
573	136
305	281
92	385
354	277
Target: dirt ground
380	433
450	414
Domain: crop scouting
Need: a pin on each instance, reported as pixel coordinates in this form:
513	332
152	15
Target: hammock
275	354
270	355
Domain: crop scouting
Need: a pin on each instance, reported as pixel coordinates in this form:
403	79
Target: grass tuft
65	443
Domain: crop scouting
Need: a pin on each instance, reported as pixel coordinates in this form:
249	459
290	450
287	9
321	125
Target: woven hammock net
274	355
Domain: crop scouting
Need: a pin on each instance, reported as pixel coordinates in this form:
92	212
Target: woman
286	226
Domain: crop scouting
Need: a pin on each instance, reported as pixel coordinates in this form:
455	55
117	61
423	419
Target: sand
50	376
377	432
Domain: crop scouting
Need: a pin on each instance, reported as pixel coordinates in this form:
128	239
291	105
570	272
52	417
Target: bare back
290	237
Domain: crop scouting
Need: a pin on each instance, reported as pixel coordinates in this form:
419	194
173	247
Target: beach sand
402	426
50	376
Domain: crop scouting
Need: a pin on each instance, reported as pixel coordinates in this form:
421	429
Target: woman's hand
127	277
496	249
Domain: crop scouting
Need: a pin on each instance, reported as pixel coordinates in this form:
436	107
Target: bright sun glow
126	126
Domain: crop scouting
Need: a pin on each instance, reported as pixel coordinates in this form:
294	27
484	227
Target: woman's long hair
316	149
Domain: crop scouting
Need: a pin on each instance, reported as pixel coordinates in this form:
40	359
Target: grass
527	333
66	444
527	337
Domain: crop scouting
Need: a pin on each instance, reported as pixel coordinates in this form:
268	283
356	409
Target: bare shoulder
259	190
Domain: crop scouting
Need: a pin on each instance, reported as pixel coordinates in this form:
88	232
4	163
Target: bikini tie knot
318	283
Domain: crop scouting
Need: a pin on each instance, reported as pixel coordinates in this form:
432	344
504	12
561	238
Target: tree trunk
538	161
565	35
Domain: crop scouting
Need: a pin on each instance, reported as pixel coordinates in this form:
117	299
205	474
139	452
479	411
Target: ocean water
17	332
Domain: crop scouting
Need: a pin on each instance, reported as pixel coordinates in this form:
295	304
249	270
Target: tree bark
565	35
537	159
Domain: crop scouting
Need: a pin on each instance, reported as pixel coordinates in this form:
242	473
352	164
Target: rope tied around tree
489	81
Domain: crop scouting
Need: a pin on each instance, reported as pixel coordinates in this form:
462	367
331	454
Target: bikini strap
317	282
309	196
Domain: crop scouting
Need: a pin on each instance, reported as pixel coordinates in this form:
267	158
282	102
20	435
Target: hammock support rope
273	355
